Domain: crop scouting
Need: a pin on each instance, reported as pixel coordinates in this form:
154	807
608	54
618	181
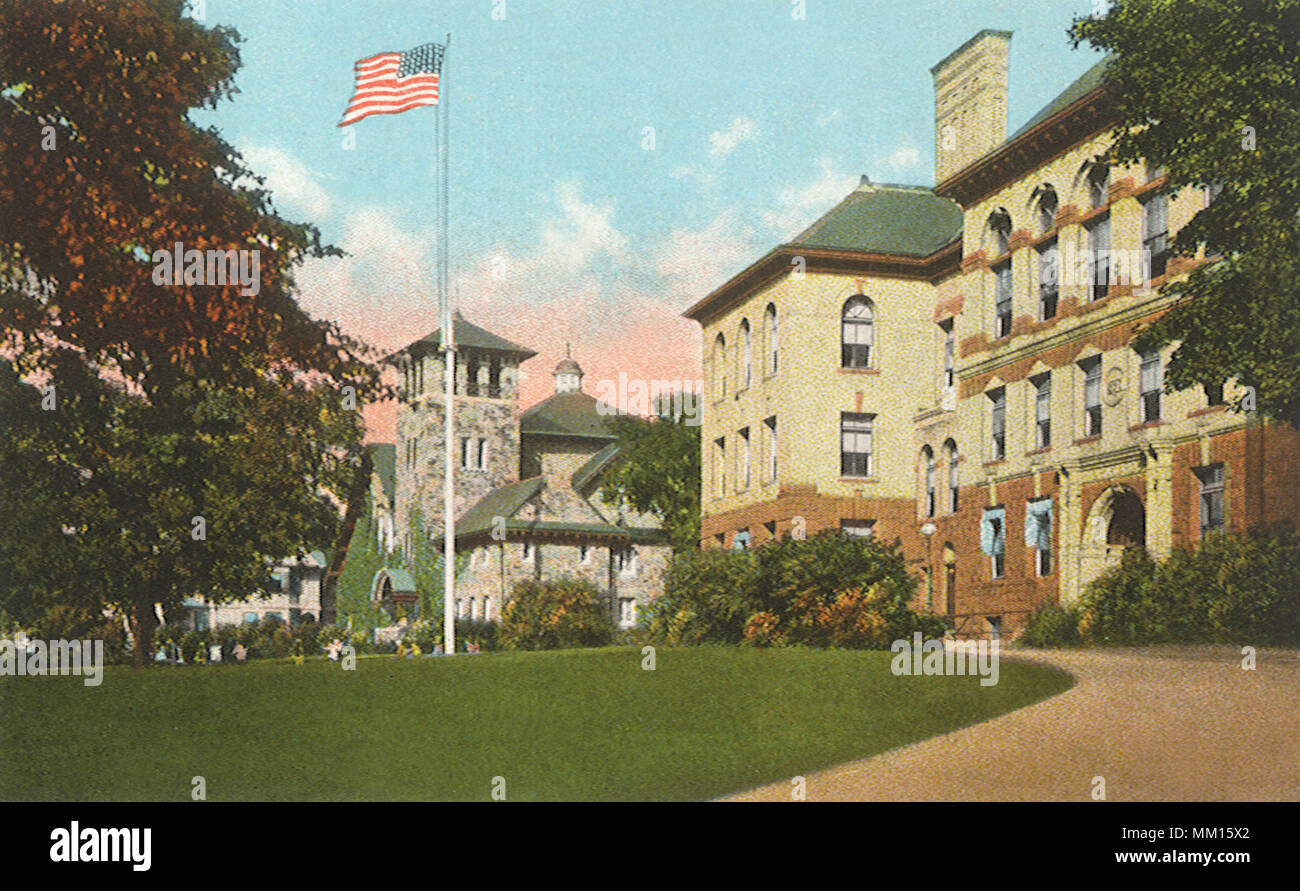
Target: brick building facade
953	368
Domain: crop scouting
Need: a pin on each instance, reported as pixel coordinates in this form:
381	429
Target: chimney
970	102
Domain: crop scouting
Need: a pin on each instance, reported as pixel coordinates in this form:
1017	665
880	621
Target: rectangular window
1212	515
471	376
466	452
625	562
1043	411
494	378
855	444
998	422
1099	259
949	354
529	552
626	612
584	554
482	454
993	539
1002	295
742	477
1155	234
1151	380
1038	533
720	464
1213	393
1049	281
1091	396
770	427
856	528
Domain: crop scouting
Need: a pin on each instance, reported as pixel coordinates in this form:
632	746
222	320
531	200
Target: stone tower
970	102
486	445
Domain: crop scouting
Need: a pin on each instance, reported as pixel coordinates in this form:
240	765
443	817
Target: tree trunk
357	496
143	623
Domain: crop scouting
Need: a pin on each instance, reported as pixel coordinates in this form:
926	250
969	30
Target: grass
570	725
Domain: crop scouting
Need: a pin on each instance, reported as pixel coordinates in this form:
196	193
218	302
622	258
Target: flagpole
449	387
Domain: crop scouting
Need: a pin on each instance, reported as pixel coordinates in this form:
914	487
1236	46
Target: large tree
173	400
657	471
1210	91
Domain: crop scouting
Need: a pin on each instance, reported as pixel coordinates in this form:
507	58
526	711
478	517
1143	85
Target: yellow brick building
953	367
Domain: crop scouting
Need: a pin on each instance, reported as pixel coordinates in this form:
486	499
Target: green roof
502	502
886	219
568	414
383	456
401	579
594	465
470	335
1089	81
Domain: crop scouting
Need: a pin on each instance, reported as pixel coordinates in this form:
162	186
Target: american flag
394	82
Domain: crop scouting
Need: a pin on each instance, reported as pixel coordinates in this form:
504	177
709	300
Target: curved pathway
1159	724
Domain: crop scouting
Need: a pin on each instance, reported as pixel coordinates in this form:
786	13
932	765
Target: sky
611	162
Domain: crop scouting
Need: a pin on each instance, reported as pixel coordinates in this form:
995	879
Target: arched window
769	323
857	333
746	355
719	367
950	455
931	499
1000	227
1045	199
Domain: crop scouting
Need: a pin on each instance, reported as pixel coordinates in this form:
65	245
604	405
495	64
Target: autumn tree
176	396
1210	92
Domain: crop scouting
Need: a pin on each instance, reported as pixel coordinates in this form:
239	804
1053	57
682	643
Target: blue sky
564	226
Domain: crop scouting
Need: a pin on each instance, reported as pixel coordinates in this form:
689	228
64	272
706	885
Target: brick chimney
970	102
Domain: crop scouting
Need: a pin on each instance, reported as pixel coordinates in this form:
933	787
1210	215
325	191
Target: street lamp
928	530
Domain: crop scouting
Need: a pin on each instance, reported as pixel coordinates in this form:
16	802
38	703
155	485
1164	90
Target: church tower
486	445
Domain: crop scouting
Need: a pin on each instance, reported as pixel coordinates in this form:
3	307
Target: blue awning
993	530
1038	524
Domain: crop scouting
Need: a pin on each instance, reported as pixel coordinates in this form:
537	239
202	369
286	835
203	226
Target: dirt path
1159	724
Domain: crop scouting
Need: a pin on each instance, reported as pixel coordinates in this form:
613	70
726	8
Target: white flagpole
449	391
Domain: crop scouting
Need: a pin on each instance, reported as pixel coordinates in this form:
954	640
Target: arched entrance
1117	521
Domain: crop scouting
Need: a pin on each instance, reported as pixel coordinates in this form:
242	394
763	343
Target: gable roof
501	502
886	219
573	413
468	335
383	455
593	466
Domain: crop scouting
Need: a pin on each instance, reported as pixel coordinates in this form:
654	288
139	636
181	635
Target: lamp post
928	531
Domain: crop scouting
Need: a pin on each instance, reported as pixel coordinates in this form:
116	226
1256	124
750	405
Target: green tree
175	400
1210	91
561	613
364	558
657	471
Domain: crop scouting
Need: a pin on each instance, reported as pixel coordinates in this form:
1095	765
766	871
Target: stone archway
1117	521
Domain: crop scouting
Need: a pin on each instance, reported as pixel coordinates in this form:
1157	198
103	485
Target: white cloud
289	180
724	142
829	117
904	158
692	262
796	207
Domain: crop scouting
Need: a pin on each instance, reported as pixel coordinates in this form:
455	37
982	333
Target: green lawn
574	725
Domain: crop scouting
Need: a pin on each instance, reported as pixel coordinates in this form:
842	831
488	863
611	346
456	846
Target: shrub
708	597
1052	625
564	612
1230	588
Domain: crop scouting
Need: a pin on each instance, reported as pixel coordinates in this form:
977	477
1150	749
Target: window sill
1096	437
869	370
1043	451
859	479
1208	410
1146	425
995	462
